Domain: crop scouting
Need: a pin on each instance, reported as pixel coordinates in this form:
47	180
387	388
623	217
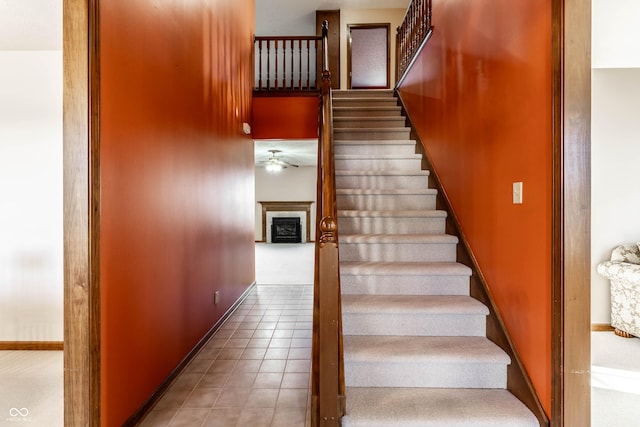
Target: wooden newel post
327	383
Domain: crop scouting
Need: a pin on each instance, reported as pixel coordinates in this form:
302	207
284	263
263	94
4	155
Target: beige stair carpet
416	352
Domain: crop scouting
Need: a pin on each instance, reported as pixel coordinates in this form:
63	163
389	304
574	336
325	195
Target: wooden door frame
571	225
81	205
570	218
387	26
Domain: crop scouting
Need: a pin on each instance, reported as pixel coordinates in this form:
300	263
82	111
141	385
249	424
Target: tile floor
253	372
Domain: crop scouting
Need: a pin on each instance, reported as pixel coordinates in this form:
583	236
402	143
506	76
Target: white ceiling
279	17
37	24
301	152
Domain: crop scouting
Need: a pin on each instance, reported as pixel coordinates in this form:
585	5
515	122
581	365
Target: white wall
615	33
615	162
31	276
285	18
615	138
290	185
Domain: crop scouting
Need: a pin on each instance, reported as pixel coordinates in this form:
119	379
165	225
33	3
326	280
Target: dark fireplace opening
286	230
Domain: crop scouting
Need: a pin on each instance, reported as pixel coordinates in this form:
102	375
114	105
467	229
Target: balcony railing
412	34
287	64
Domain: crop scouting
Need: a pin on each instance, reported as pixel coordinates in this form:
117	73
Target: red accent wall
287	117
177	184
480	97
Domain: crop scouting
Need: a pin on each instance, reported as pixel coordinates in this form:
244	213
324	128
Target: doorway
368	56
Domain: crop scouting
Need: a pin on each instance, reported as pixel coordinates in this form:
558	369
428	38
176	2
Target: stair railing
412	34
286	64
327	364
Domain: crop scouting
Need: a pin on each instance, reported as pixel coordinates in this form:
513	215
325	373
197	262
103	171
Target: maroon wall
480	97
177	184
286	117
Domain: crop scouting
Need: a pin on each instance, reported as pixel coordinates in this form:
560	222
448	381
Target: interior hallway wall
480	97
31	277
615	136
177	185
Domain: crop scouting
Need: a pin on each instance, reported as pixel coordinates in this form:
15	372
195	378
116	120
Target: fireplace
298	209
286	230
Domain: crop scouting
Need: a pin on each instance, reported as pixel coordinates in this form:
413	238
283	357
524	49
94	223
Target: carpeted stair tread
423	349
364	130
399	238
368	119
372	98
385	172
376	156
362	92
374	142
442	407
413	304
415	213
381	268
393	110
385	191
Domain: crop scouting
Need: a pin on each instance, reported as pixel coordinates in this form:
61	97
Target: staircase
415	348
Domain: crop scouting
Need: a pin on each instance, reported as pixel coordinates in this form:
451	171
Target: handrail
327	367
286	63
412	33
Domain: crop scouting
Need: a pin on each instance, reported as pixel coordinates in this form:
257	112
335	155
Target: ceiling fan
274	163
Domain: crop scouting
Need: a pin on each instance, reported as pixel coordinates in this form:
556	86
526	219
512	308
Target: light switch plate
517	193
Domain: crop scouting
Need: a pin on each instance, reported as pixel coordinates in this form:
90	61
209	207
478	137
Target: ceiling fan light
273	167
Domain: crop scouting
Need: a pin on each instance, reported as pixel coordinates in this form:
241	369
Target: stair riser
367	112
441	375
379	122
361	135
384	201
353	102
390	225
362	93
378	164
374	150
435	407
464	325
408	182
403	252
365	284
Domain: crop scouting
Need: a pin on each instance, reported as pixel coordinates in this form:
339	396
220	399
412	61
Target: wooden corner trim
31	345
602	327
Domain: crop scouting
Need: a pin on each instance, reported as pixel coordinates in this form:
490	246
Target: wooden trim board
81	206
601	327
31	345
